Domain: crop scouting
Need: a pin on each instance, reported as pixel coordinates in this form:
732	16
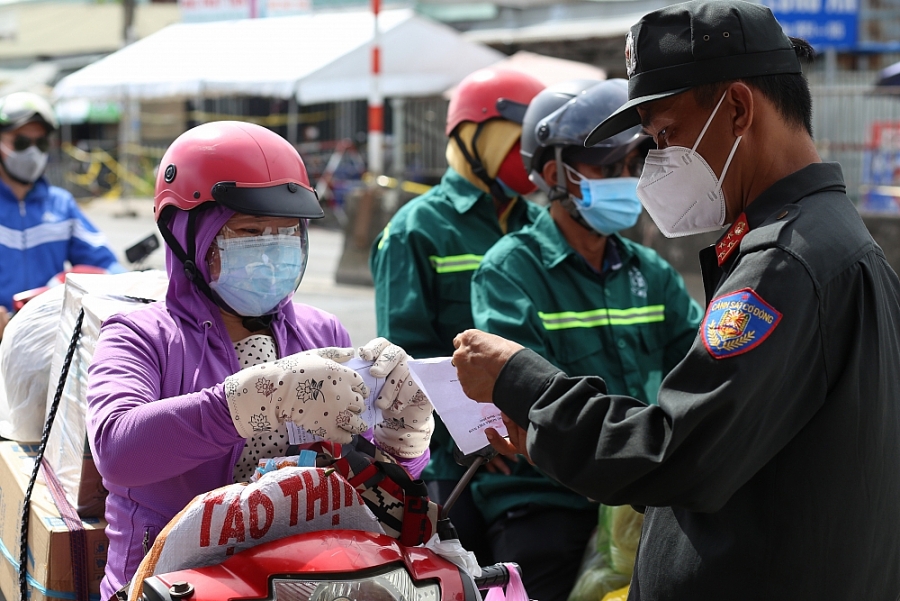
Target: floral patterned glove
389	362
315	392
407	424
335	353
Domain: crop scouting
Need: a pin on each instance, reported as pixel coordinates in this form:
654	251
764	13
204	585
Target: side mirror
142	249
486	453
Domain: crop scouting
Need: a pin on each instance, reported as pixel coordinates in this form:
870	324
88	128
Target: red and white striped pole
376	102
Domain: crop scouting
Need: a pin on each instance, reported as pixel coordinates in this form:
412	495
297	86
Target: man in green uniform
770	467
589	301
423	261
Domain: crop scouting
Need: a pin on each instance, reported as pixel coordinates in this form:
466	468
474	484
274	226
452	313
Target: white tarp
323	57
546	69
556	30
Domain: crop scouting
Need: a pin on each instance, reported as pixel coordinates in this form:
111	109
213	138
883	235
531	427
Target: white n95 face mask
680	190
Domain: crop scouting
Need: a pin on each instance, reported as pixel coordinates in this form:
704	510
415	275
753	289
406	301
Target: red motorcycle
336	565
341	565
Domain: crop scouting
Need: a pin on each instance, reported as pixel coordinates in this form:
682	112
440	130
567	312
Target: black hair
789	92
545	155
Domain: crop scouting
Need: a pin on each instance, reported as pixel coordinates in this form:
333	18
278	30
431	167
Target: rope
45	436
77	537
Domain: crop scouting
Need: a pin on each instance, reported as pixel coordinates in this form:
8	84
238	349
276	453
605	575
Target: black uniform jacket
771	467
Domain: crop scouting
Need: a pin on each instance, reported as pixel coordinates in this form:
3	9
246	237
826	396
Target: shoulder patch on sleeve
736	323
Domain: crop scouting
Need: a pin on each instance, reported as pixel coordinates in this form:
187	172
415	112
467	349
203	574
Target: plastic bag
455	553
25	356
619	595
515	590
609	559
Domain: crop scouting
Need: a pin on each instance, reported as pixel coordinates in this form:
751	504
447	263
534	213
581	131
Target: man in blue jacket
41	227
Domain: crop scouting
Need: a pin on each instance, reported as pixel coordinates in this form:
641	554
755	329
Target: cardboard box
49	559
67	449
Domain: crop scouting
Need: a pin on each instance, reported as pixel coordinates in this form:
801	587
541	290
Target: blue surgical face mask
608	205
258	272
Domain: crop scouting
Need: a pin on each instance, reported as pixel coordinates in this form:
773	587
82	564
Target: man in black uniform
771	467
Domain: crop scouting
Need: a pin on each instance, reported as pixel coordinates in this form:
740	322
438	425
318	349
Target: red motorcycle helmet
491	93
242	166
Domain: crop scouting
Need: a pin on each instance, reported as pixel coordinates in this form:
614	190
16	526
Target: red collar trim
732	240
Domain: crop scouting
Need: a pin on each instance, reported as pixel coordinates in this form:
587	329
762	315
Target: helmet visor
511	110
288	199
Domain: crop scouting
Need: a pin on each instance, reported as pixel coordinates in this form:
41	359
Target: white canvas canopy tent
322	57
547	69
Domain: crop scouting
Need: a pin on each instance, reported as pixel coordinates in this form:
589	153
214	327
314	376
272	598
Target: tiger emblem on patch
737	322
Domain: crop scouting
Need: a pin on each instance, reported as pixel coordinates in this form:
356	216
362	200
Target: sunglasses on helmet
21	142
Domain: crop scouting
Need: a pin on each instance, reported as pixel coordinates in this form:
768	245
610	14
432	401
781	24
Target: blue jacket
39	234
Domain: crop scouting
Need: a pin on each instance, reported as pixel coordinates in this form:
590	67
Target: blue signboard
823	23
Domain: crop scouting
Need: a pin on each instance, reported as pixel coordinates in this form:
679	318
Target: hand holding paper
466	419
479	357
517	443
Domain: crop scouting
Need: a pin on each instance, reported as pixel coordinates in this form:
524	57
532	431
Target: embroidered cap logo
630	55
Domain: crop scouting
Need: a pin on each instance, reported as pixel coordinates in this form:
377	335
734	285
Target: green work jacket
630	325
422	265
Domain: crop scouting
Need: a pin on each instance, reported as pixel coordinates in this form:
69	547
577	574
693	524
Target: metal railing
859	127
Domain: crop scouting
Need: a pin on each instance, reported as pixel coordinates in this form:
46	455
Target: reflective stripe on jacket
422	265
630	325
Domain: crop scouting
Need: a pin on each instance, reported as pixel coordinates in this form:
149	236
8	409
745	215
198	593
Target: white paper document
465	419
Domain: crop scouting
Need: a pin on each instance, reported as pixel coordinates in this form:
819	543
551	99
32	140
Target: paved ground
354	305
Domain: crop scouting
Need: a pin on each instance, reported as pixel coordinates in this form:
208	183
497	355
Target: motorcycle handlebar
495	575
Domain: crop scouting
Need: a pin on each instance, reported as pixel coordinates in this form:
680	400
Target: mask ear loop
714	195
571	170
708	121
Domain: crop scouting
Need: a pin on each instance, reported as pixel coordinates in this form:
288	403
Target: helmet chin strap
478	167
560	192
569	205
192	272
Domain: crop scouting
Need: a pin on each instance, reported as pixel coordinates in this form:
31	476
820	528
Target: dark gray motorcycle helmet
569	125
546	102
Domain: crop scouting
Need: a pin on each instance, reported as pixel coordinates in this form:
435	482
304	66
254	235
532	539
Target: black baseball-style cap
676	48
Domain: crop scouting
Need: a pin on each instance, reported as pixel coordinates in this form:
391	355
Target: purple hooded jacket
158	424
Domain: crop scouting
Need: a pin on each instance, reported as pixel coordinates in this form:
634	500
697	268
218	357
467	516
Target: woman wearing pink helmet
172	414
